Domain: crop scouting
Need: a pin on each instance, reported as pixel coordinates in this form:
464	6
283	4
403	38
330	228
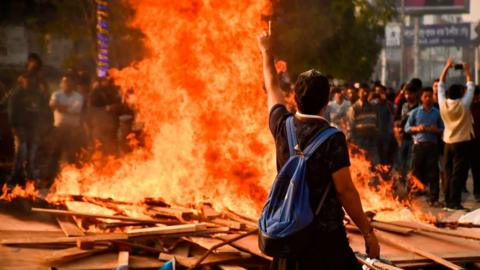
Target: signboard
435	35
435	6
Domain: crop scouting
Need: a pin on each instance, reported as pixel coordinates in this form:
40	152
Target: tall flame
200	97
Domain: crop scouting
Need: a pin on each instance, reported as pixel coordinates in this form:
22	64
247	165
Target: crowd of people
67	125
422	131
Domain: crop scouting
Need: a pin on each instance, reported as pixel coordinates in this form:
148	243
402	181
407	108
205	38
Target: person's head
363	92
411	93
83	82
351	94
311	92
435	90
34	63
455	91
417	83
476	95
26	81
338	94
426	97
67	83
381	92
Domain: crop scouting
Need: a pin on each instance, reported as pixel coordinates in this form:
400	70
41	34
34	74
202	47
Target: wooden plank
208	243
212	259
180	213
391	228
229	223
69	227
63	240
109	261
74	253
182	249
123	259
167	230
231	267
81	214
426	254
248	244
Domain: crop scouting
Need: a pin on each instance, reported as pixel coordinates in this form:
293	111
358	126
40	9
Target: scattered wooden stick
68	226
418	229
200	260
123	259
396	242
73	253
81	214
164	230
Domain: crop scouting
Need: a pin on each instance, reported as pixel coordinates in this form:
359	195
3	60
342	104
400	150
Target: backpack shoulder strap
324	196
319	139
291	135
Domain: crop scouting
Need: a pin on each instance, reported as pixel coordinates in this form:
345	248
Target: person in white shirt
455	111
337	110
67	105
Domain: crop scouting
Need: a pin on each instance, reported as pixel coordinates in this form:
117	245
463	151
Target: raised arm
468	97
274	94
441	84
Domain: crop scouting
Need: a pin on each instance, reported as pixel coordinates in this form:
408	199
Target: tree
338	37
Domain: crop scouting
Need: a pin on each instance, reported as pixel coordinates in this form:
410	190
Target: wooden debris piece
225	242
229	223
69	227
123	259
208	212
182	249
208	243
109	261
239	218
74	253
419	229
181	214
80	214
248	244
405	246
166	230
63	240
191	261
231	267
391	228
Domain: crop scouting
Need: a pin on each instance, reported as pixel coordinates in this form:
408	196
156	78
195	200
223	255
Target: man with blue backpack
301	225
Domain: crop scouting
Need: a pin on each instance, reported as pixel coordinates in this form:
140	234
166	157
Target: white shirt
73	102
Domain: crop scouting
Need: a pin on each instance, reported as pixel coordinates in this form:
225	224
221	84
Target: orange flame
28	191
200	98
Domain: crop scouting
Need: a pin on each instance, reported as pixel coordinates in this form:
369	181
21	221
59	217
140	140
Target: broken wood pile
122	237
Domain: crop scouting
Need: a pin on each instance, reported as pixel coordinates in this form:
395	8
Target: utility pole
402	43
416	46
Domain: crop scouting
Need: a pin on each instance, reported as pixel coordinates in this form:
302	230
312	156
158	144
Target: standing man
25	108
425	124
475	162
385	112
363	122
337	109
67	105
456	115
330	249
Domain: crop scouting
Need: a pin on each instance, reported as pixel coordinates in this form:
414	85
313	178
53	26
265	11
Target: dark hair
455	91
436	80
337	90
426	90
417	83
35	57
412	88
311	92
83	78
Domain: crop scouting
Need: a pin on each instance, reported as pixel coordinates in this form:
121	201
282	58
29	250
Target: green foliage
338	37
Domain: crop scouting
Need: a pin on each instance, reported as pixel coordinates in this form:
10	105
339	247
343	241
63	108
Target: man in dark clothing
385	110
330	162
363	122
404	154
474	161
25	108
425	124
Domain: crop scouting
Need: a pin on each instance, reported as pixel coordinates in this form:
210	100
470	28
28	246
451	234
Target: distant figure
458	134
385	112
474	161
104	107
425	124
337	110
363	123
34	66
67	105
25	108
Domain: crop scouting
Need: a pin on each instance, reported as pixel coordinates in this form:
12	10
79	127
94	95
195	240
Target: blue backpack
284	225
